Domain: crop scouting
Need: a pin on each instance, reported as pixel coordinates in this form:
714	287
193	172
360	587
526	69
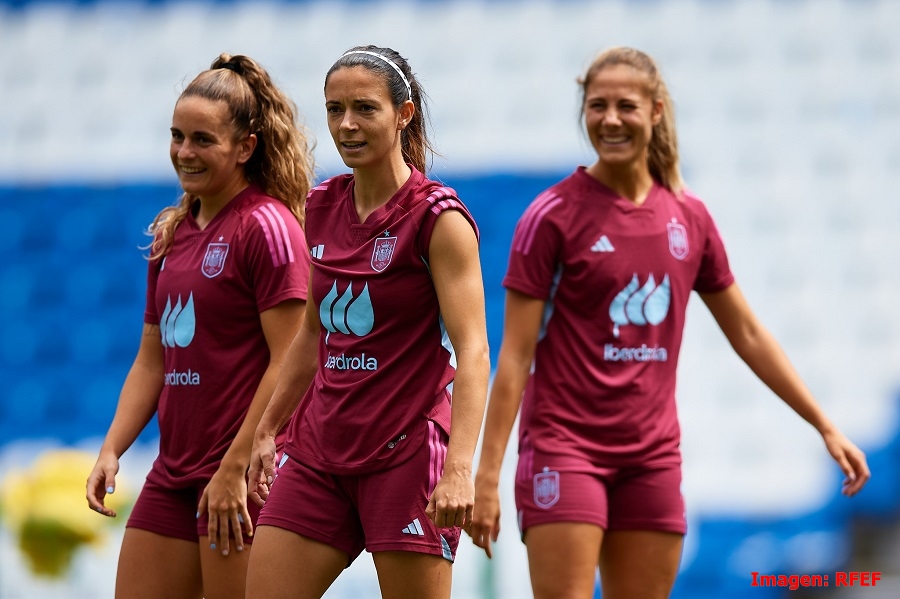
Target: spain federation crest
383	252
678	241
214	260
546	488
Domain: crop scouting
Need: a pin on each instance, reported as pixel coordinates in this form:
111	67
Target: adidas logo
317	251
603	245
414	528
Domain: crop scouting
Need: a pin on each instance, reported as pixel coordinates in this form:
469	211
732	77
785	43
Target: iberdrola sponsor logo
642	306
344	362
189	377
611	353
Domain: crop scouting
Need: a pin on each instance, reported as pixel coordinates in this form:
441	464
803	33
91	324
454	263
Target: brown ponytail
282	163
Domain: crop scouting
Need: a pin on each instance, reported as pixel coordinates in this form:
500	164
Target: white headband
387	60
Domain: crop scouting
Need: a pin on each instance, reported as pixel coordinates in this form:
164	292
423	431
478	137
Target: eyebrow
193	133
356	101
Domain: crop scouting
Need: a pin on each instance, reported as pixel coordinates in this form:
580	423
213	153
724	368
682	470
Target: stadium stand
788	113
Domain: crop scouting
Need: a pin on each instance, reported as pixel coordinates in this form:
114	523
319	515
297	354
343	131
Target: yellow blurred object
45	508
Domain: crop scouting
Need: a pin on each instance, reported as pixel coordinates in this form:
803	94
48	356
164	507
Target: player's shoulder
260	204
689	196
266	218
436	196
691	201
328	191
555	203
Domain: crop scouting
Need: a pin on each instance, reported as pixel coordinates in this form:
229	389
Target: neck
632	181
373	188
211	205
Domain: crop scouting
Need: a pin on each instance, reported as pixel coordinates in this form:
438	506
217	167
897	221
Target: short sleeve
276	255
438	204
715	273
534	256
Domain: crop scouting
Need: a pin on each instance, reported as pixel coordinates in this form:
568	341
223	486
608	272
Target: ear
657	113
246	147
407	111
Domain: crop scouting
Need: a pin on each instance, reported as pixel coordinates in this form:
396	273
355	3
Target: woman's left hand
453	499
851	460
225	498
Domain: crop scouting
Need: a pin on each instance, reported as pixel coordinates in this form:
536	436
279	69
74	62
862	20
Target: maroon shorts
173	512
551	488
379	511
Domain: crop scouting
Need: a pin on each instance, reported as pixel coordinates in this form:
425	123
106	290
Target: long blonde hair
662	155
282	163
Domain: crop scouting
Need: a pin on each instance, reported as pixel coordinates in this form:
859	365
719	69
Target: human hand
102	481
262	468
225	498
453	499
851	460
486	518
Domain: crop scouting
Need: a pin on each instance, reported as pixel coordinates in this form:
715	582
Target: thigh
224	576
314	505
402	574
153	566
562	559
285	565
647	498
392	503
639	564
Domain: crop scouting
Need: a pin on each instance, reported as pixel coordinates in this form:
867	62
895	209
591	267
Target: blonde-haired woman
601	268
227	286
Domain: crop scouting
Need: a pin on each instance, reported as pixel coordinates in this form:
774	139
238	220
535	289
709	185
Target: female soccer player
601	268
397	315
226	292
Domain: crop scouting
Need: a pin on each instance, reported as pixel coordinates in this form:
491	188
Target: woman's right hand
102	481
261	474
486	517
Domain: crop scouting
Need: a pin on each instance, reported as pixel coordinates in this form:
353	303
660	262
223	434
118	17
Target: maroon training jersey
206	295
384	358
616	278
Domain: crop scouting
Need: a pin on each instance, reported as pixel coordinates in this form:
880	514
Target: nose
183	148
610	117
348	123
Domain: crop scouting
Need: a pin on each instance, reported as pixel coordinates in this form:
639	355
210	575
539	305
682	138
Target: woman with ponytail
378	457
226	292
601	268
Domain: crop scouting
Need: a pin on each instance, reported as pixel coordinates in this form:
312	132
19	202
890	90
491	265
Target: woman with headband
378	457
226	292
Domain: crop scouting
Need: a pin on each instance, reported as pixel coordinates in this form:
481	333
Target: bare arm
456	272
522	323
225	497
761	352
301	363
137	404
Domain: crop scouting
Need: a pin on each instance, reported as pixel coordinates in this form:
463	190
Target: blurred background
788	114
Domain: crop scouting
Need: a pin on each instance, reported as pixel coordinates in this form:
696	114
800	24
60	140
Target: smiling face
619	115
208	159
363	121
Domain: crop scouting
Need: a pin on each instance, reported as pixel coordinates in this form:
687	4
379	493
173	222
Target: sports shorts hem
673	526
409	548
558	518
309	533
157	528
